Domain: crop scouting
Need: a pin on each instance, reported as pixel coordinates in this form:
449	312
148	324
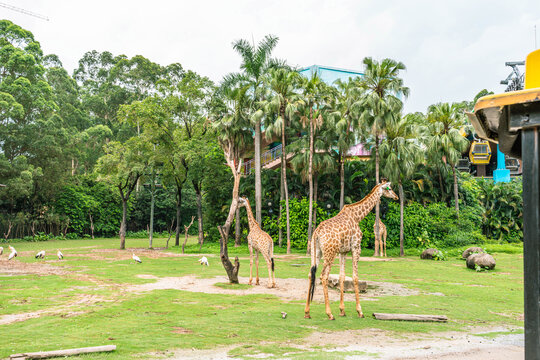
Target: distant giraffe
341	234
260	241
382	240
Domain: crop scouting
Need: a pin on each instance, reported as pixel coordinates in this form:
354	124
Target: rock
469	251
428	254
333	281
484	260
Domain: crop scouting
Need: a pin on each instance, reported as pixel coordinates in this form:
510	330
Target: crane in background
18	9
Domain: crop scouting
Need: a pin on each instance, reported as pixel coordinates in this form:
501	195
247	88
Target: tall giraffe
342	234
382	240
260	241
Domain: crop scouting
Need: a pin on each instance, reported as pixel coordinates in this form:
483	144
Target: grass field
91	299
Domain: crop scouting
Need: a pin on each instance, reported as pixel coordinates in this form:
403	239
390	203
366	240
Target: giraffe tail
272	263
313	273
314	263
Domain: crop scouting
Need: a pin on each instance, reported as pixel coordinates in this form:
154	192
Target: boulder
428	254
483	260
348	285
469	251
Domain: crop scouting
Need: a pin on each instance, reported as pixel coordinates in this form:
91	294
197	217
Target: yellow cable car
480	152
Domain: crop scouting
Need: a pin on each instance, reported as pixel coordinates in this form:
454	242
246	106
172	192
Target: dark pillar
531	239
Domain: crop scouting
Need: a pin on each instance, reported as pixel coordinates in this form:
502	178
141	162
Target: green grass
139	323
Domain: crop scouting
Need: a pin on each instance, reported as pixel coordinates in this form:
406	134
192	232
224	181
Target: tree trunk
281	197
237	228
198	192
456	194
123	224
178	215
315	196
284	177
152	203
401	228
377	206
310	179
258	186
186	233
342	181
232	270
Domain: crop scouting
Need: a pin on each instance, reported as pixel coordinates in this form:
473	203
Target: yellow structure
532	70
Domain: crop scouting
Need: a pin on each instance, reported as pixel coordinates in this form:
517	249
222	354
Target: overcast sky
452	49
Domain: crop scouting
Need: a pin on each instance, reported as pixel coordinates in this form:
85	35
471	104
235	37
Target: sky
451	49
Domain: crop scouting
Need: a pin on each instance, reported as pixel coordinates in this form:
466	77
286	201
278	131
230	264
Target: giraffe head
387	190
243	201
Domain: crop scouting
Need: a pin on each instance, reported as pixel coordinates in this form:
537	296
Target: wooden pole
410	317
68	352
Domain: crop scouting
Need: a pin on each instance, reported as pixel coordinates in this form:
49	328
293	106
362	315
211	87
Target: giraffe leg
342	259
257	267
271	284
356	256
324	279
250	264
384	244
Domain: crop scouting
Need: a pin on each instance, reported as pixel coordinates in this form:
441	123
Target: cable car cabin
513	165
480	152
464	165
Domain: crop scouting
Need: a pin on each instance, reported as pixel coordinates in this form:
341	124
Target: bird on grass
203	261
40	255
13	252
1	250
136	258
60	255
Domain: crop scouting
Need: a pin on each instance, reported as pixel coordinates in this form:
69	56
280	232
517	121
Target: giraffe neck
360	209
253	224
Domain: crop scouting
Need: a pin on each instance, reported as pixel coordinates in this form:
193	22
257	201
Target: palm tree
256	61
381	101
315	97
446	143
346	120
232	123
401	153
284	101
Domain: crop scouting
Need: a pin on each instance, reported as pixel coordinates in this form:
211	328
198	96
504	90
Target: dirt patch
11	268
181	330
66	310
288	289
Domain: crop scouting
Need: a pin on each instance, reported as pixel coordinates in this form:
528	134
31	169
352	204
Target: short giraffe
342	234
382	240
260	241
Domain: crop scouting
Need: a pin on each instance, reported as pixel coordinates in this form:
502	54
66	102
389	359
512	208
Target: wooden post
68	352
410	317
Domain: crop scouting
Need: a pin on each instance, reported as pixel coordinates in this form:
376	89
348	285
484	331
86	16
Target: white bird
283	315
60	255
11	248
136	258
40	255
203	261
1	250
13	253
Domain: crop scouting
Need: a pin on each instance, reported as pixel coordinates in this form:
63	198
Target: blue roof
329	74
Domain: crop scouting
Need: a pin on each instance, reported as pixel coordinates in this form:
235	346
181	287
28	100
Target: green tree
256	61
444	143
400	153
284	102
122	166
379	105
232	123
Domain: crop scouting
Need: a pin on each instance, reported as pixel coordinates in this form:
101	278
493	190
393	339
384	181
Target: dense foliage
82	154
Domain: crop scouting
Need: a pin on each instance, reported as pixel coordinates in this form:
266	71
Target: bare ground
384	345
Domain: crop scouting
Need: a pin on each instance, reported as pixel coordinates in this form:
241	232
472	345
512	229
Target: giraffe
382	240
341	234
260	241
